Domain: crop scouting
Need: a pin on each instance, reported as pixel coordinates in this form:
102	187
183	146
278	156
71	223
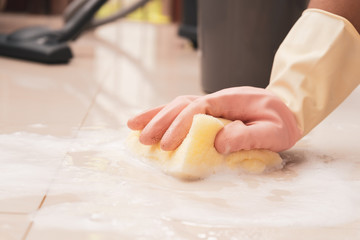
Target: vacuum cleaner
41	44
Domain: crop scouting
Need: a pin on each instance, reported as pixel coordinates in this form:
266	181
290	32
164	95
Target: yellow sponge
197	157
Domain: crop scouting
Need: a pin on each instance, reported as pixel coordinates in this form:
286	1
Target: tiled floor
66	173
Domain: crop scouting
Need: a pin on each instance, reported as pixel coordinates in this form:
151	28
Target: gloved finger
237	136
155	129
218	104
180	127
140	121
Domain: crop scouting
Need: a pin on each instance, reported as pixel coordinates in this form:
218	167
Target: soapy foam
28	172
318	195
103	187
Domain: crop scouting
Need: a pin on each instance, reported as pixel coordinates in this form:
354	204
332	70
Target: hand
260	120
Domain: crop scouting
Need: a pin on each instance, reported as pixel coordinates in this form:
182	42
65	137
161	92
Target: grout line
27	231
32	222
93	100
43	200
92	103
59	167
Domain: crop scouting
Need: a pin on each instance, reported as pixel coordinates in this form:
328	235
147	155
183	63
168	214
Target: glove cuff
316	67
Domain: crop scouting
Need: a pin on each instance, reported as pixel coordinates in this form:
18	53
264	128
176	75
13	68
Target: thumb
237	136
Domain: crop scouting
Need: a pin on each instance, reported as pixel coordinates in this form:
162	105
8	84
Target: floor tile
13	226
44	99
65	161
102	190
210	234
151	67
28	163
41	109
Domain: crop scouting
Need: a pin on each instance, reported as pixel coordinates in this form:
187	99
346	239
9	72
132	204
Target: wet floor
66	173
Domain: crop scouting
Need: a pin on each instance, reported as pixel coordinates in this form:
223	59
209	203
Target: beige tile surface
73	164
151	66
210	233
41	110
48	99
13	226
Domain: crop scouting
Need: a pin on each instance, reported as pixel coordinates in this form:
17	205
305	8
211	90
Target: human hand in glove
315	69
260	120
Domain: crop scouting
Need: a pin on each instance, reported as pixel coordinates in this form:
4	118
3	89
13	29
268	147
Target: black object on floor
239	39
44	45
188	25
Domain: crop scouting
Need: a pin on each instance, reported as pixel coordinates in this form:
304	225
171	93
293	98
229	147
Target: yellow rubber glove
315	69
317	66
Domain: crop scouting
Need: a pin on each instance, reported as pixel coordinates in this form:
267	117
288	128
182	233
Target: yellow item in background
197	157
152	12
317	66
109	9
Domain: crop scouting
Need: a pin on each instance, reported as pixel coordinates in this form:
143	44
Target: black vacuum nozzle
35	44
44	45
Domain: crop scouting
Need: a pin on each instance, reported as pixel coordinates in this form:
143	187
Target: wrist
316	66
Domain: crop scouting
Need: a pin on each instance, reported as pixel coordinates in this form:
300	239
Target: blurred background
237	39
157	11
